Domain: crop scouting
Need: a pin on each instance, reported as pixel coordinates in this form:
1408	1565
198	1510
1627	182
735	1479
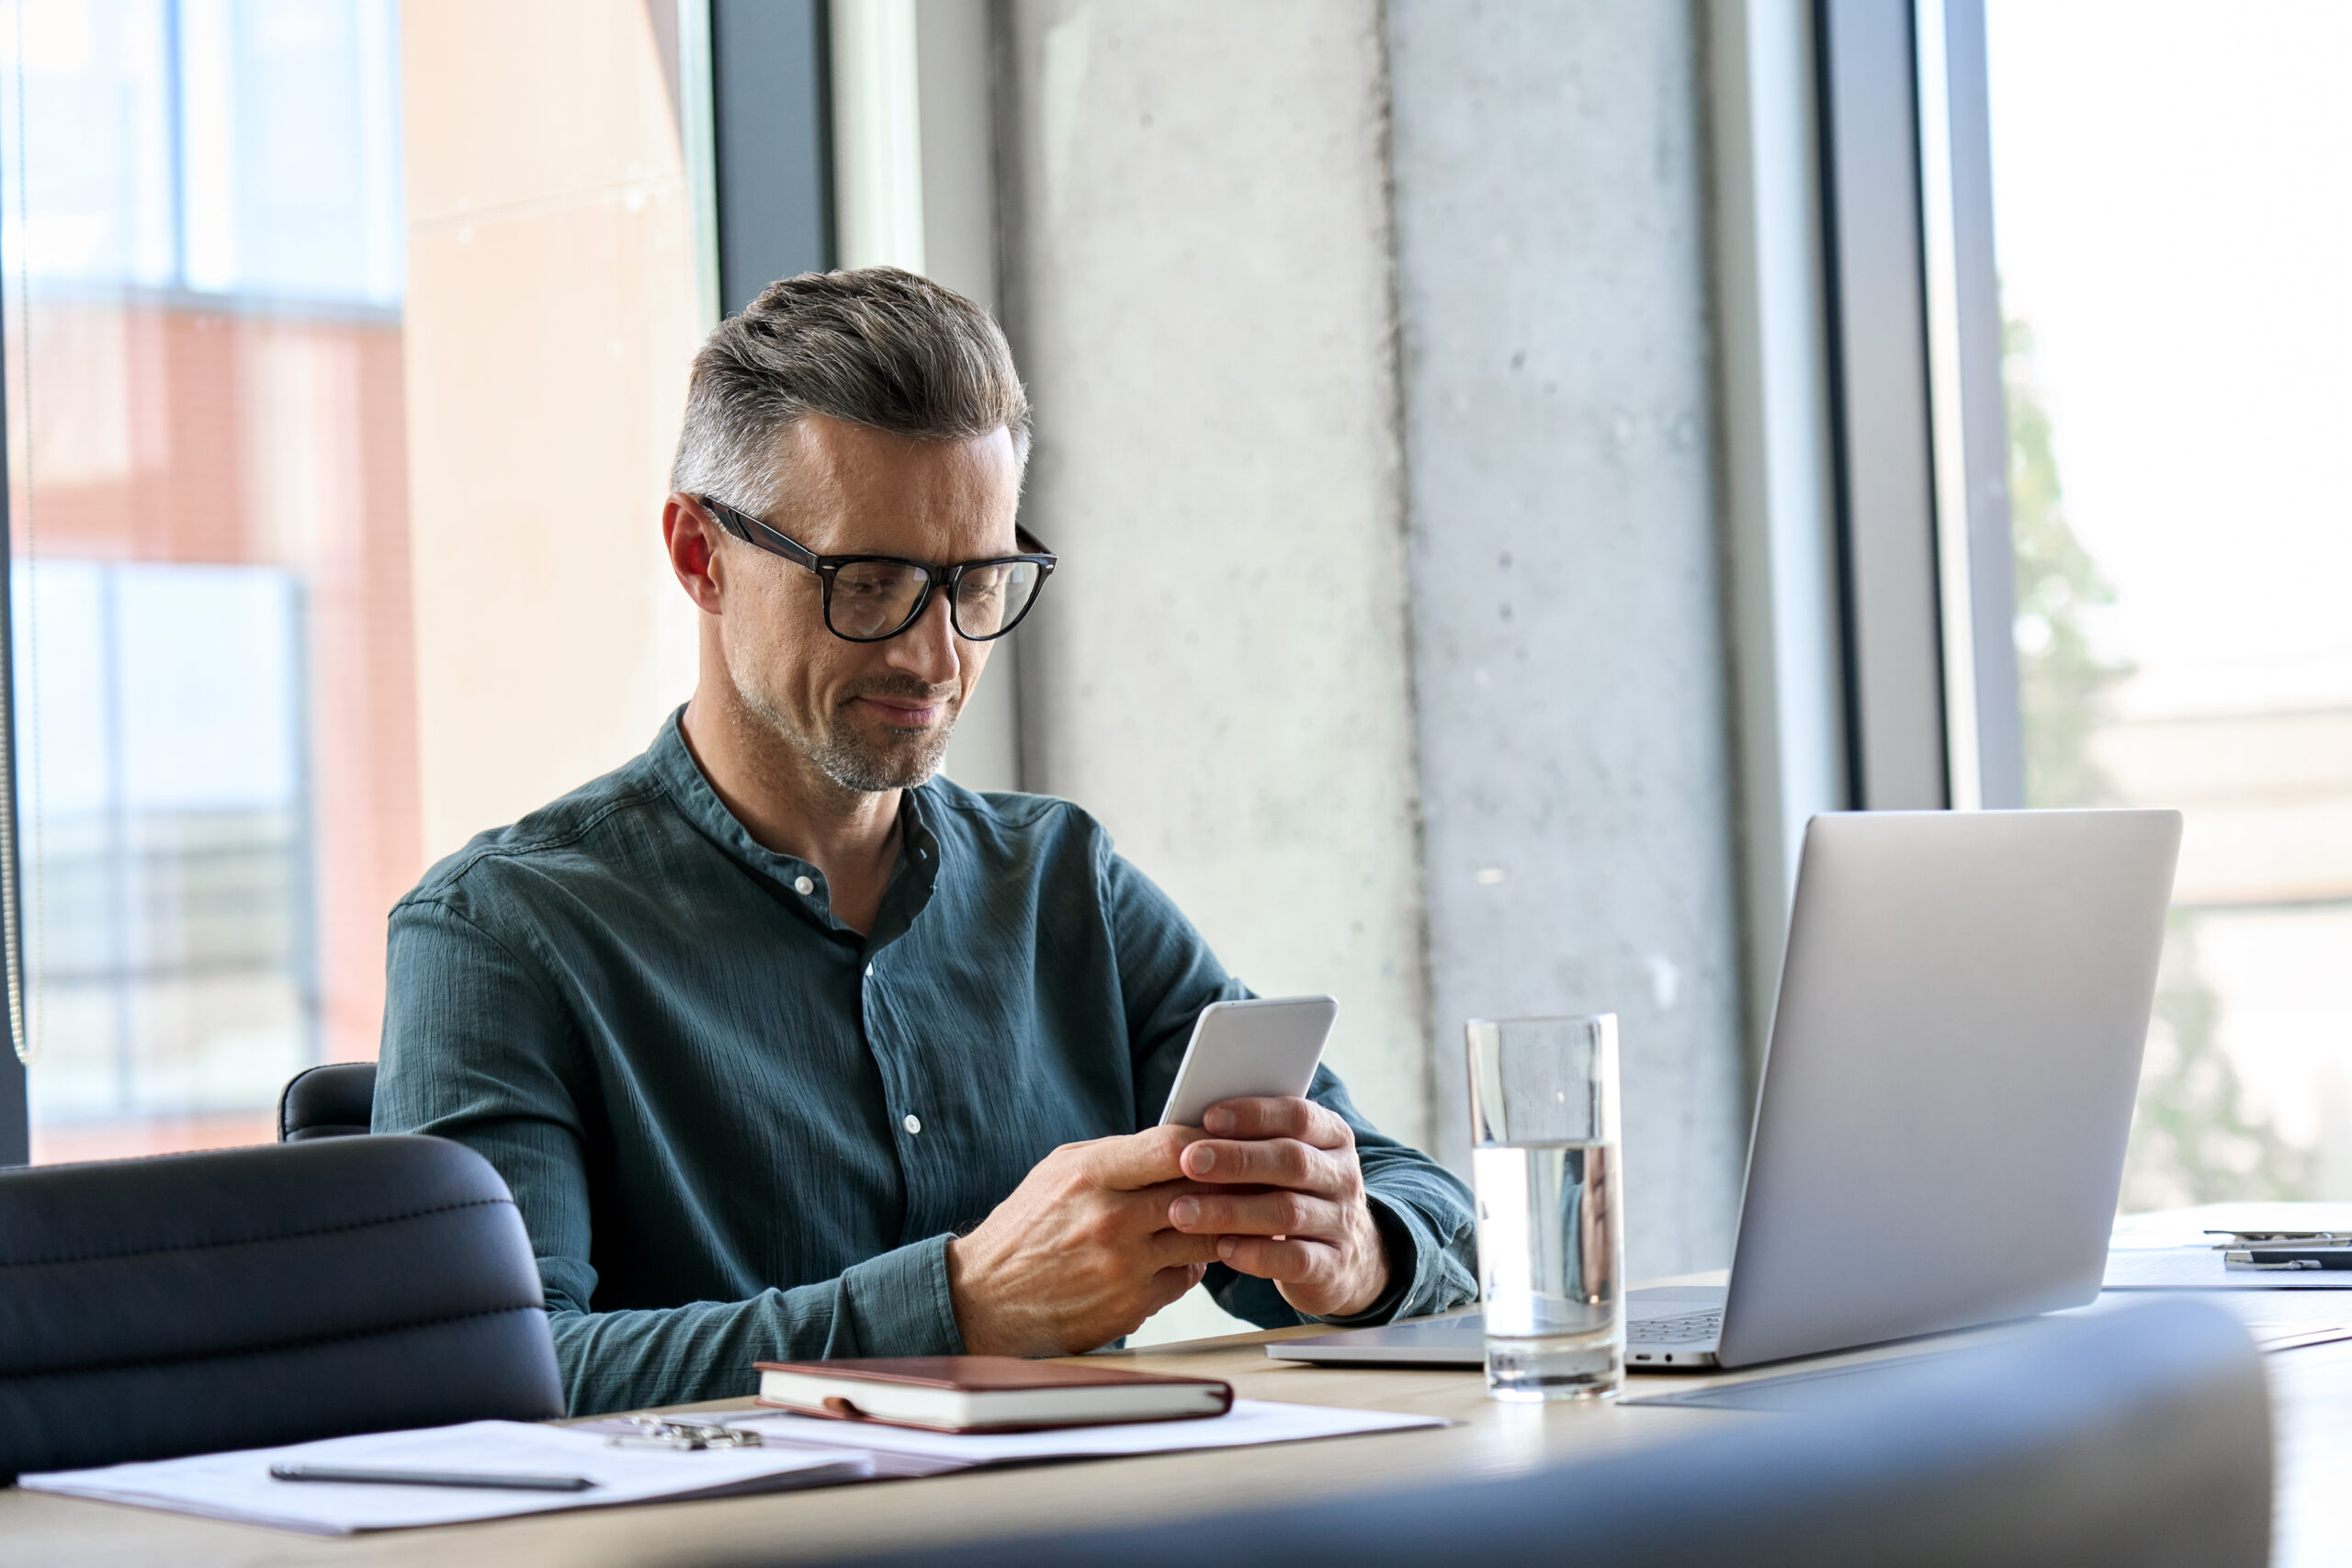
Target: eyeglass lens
876	598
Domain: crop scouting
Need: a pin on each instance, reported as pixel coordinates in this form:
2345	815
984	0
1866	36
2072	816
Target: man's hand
1302	1220
1081	1252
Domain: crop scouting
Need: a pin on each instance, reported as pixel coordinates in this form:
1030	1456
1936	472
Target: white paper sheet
800	1450
238	1487
1250	1422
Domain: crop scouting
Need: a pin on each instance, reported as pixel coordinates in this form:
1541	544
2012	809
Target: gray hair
877	347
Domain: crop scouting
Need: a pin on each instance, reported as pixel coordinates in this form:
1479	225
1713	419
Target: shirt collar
802	885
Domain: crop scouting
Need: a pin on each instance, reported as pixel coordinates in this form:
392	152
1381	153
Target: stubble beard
849	758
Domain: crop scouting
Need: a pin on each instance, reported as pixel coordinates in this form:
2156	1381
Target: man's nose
927	649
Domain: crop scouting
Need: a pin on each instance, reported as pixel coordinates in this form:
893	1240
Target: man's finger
1289	1261
1133	1214
1279	1117
1171	1283
1266	1162
1175	1249
1138	1159
1258	1214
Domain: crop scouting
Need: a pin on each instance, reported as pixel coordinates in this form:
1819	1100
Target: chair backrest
334	1100
190	1304
2140	1438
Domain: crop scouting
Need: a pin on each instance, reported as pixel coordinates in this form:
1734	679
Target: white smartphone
1241	1050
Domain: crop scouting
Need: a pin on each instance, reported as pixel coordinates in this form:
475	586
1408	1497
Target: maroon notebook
985	1393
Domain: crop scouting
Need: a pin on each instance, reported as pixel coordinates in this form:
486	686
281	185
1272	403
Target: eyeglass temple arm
741	524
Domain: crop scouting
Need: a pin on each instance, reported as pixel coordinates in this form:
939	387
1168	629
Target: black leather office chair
330	1102
246	1297
2140	1439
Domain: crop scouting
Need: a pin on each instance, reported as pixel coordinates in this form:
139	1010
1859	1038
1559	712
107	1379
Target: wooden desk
2313	1388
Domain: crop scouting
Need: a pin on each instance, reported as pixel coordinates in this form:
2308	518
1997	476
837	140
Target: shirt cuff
901	1304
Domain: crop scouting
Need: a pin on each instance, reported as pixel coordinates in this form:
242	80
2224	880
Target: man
788	1048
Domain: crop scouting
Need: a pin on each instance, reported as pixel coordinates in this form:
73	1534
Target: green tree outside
2194	1138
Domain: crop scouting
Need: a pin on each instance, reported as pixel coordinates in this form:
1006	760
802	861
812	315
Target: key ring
666	1432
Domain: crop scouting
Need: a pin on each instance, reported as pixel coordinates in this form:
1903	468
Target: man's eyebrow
1007	554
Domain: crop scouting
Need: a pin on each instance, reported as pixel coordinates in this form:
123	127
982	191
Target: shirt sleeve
477	1049
1167	974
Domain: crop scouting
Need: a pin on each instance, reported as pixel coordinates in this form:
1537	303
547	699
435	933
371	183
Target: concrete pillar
1197	282
1570	656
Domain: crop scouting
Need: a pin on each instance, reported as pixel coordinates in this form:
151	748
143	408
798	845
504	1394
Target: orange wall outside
264	439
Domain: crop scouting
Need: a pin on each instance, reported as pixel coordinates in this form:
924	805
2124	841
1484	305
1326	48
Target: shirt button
869	971
913	1123
803	887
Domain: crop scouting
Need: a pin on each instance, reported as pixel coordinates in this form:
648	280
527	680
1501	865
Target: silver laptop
1940	1133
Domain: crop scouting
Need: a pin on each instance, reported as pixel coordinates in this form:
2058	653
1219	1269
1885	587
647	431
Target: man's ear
692	536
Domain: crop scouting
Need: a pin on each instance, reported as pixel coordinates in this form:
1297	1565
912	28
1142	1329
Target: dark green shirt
740	1130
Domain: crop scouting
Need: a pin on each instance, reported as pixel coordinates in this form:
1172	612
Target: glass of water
1551	1237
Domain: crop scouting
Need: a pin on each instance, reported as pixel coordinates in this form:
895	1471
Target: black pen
2289	1259
486	1478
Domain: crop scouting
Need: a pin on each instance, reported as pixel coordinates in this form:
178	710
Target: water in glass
1544	1133
1551	1251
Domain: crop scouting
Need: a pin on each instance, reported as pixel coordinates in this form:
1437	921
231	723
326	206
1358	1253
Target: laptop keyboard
1684	1329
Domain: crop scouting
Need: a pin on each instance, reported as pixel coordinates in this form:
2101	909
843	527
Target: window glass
2174	206
213	664
312	307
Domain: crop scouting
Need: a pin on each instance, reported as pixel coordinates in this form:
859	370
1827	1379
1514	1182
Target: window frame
1917	421
15	1103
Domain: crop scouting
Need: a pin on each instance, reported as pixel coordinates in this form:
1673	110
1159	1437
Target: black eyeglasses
874	598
